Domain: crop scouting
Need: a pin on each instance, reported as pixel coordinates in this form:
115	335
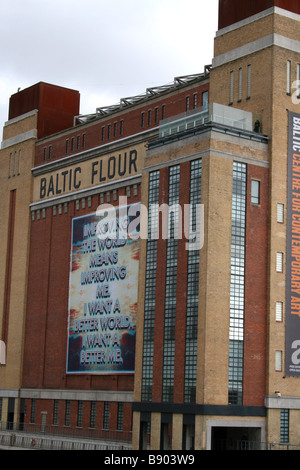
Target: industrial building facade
177	339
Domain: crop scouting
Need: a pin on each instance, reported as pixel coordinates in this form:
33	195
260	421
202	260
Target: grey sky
106	50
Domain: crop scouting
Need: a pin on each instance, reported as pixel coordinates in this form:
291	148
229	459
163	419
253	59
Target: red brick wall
255	332
45	346
232	11
174	104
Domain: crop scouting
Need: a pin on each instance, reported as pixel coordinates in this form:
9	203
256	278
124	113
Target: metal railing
30	435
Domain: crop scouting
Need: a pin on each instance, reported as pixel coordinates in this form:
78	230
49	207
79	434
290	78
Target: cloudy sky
106	50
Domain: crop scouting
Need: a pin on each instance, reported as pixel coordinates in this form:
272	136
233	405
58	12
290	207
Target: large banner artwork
292	352
103	291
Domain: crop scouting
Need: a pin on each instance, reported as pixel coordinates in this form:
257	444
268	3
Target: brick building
161	342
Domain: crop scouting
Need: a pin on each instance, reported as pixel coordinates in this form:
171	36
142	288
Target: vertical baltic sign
292	352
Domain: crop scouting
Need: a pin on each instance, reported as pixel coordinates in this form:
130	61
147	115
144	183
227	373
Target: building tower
257	50
211	342
33	113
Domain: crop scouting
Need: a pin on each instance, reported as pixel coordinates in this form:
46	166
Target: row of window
92	423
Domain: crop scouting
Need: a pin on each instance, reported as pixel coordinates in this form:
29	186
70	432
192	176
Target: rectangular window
231	88
55	412
249	82
115	129
19	165
108	131
288	77
280	213
143	120
149	117
187	102
192	298
72	144
240	83
279	262
67	413
106	415
80	413
50	152
150	290
78	142
121	127
284	425
93	414
255	192
170	287
10	165
45	154
163	111
237	285
67	145
120	417
205	100
278	361
103	133
195	96
279	311
33	409
83	141
156	115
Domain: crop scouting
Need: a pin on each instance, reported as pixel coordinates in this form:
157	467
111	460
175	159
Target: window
80	413
187	101
93	414
103	133
192	299
78	142
50	152
72	144
288	77
284	425
237	285
67	413
195	96
115	129
106	415
120	417
231	88
45	154
150	289
279	311
83	141
255	192
143	120
249	82
278	361
156	116
163	111
205	100
240	83
121	127
280	213
149	117
67	145
279	262
170	288
55	412
33	409
108	131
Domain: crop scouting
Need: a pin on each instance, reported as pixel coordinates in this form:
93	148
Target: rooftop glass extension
216	113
